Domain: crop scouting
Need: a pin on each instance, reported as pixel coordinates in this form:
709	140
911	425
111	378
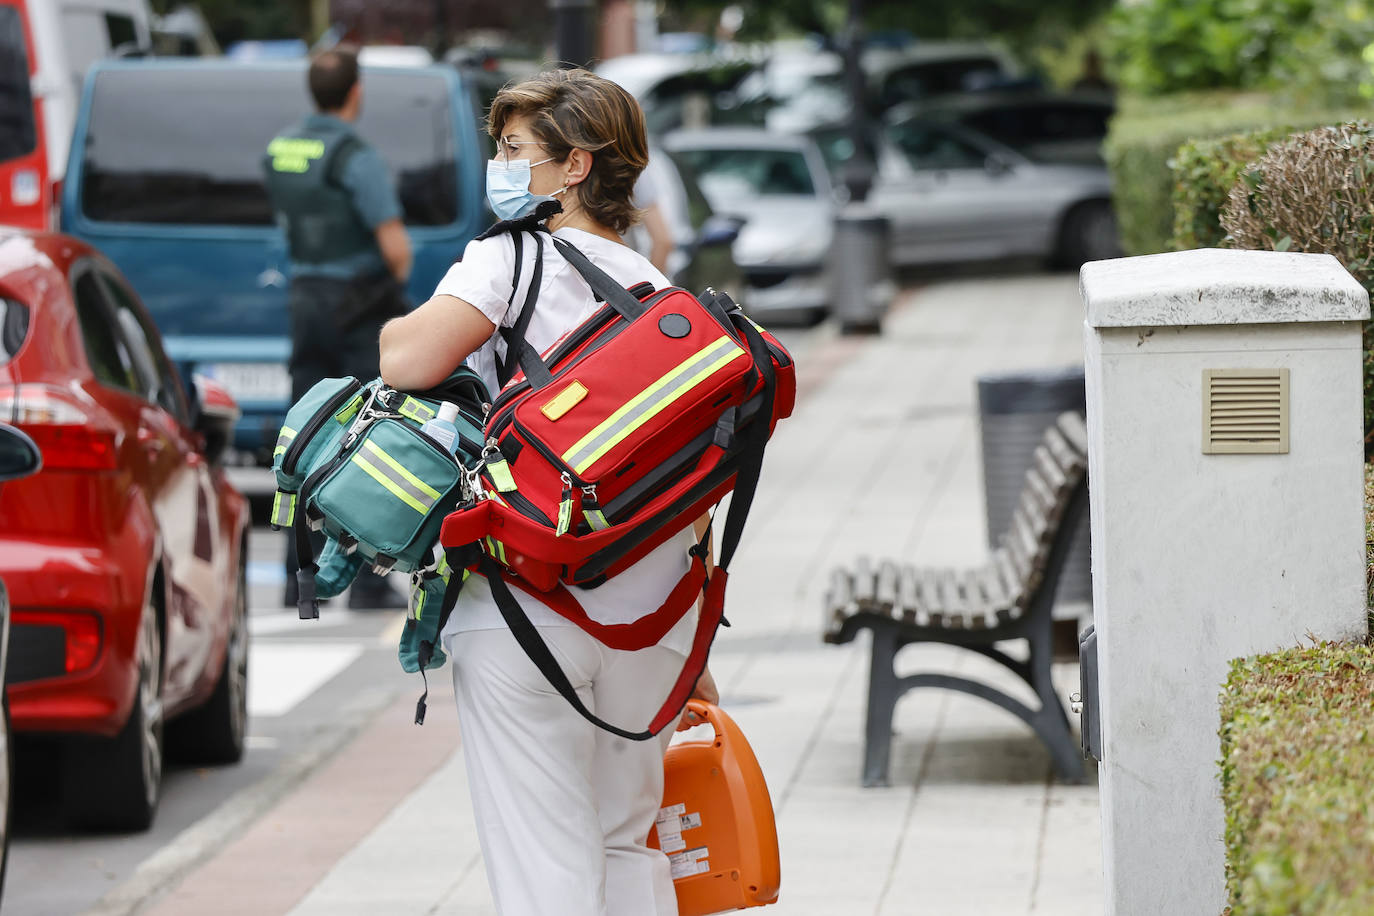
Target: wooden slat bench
1009	598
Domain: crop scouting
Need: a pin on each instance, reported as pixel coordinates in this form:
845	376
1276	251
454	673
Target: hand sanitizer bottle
441	428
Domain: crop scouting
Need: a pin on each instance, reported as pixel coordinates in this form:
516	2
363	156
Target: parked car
799	87
936	69
125	556
953	194
701	254
682	90
19	457
166	179
1043	126
46	47
779	186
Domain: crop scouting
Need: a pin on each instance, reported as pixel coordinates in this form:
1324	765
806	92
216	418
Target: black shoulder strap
518	350
602	284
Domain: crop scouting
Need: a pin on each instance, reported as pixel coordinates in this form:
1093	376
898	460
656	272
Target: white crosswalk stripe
284	674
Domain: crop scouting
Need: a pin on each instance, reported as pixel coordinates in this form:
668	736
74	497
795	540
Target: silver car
778	184
953	194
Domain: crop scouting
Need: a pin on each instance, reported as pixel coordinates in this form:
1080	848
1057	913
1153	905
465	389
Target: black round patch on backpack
675	325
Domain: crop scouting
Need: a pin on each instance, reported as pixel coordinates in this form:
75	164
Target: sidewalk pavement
880	458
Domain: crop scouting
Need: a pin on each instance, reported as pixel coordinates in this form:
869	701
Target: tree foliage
1318	51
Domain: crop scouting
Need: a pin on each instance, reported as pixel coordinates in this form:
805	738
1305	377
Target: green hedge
1204	172
1369	541
1297	740
1146	134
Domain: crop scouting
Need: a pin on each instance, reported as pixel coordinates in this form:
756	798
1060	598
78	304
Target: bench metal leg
1047	722
885	688
883	692
1051	722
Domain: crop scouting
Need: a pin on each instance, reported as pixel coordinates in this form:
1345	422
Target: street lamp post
858	173
861	269
572	32
440	47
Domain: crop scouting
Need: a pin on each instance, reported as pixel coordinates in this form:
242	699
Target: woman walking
563	808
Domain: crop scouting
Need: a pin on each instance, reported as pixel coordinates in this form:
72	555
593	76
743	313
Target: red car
125	554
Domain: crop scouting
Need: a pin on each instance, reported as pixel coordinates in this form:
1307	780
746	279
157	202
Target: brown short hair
333	74
576	109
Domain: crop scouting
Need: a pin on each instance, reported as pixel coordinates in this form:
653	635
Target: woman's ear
579	166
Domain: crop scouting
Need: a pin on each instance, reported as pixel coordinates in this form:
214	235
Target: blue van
165	177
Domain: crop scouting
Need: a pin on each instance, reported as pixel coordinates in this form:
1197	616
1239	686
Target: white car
779	186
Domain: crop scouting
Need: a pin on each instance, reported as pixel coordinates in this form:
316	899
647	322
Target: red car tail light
80	634
60	428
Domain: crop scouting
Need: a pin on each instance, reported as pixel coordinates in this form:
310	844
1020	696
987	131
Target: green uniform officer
348	250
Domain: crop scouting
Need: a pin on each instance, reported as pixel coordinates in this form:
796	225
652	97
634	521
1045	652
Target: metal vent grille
1245	411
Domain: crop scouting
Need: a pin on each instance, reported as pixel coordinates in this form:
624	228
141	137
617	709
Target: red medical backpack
619	437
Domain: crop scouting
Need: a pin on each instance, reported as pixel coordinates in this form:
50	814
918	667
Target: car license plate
253	381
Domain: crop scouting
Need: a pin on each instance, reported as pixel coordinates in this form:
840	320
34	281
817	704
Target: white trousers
563	808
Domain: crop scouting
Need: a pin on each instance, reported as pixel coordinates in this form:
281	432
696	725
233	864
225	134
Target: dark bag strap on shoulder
518	350
602	284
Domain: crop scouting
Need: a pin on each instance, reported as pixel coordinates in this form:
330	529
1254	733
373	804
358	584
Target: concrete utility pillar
1226	461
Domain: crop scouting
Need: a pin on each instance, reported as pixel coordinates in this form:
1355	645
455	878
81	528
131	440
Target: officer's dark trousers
332	337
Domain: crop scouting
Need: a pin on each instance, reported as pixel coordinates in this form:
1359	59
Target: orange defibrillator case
716	824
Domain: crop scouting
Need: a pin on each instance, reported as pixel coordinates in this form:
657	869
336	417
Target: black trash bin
1014	410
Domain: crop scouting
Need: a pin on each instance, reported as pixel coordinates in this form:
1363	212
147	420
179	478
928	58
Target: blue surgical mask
508	188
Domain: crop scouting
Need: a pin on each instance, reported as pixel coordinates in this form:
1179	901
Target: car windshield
939	77
725	173
17	134
186	145
797	95
928	147
1046	131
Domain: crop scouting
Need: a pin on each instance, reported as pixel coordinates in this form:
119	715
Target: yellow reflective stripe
420	604
596	519
396	466
650	402
283	440
283	514
416	410
498	550
378	475
564	518
294	154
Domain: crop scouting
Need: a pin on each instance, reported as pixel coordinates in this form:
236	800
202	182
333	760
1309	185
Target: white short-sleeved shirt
483	279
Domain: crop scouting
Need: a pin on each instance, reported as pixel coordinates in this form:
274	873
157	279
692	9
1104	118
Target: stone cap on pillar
1219	286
